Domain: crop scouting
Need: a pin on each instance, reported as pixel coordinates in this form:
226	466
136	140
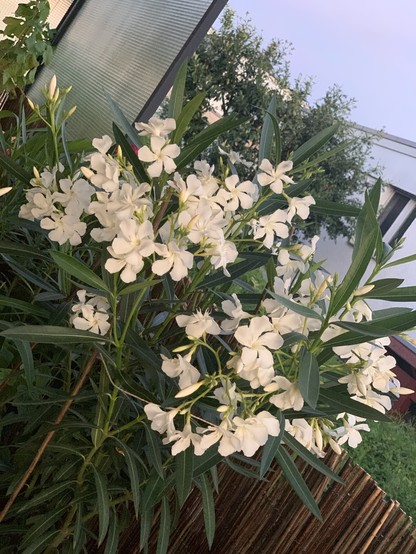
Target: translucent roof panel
127	49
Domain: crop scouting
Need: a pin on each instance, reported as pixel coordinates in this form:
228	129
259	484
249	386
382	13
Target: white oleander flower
156	127
257	339
91	320
357	382
299	206
204	172
102	144
234	309
64	228
182	368
274	177
177	260
162	422
222	252
133	243
197	324
301	431
75	196
160	156
290	398
253	432
350	430
270	227
237	194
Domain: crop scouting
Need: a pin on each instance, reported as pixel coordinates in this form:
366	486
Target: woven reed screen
255	517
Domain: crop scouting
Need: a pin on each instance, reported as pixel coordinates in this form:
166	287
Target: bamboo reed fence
266	517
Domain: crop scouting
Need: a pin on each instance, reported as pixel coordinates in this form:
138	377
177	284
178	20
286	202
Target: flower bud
363	290
189	390
5	190
87	172
52	87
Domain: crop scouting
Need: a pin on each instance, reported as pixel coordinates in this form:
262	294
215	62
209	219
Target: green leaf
51	334
266	138
206	137
46	495
209	459
155	489
381	327
402	294
184	465
186	116
153	451
326	207
295	307
164	528
365	242
309	383
41	542
383	286
19	249
208	508
400	261
295	479
111	545
178	92
125	124
314	144
103	504
312	460
79	270
139	286
146	520
43	525
133	474
271	447
131	156
13	168
344	403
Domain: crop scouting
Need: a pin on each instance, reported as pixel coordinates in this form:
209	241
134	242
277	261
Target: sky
368	47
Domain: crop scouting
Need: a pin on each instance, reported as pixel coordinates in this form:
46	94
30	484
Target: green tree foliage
240	75
24	45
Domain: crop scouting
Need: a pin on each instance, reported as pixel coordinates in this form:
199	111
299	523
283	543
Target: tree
240	75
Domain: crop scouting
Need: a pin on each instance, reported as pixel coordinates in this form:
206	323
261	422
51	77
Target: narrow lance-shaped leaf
297	482
186	116
208	508
308	378
178	92
164	528
206	137
133	474
314	144
312	460
111	545
344	403
184	465
125	125
153	451
51	334
79	270
131	156
271	447
103	504
266	138
365	242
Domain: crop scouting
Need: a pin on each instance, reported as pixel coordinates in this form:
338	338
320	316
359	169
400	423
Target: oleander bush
136	355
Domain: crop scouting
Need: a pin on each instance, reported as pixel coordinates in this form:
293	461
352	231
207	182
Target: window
397	216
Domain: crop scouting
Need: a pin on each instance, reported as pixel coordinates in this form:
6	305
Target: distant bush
388	453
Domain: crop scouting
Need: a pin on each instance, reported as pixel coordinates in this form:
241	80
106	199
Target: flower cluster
188	225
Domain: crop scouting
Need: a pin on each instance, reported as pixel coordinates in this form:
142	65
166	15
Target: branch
48	437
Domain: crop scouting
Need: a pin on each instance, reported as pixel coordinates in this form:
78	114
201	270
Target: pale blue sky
366	46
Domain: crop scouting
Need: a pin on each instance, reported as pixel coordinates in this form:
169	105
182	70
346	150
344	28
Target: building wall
398	159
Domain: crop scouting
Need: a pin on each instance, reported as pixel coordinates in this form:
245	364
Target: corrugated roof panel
123	49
